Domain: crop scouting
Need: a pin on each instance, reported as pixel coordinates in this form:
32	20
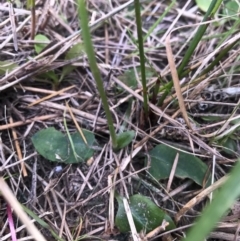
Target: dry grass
79	200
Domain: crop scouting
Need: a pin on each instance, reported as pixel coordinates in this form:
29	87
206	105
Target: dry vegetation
75	201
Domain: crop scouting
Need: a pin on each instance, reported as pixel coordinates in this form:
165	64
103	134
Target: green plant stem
141	54
155	91
31	5
215	4
153	27
94	68
221	55
197	38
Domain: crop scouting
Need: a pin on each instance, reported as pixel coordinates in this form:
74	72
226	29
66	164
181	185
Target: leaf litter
78	193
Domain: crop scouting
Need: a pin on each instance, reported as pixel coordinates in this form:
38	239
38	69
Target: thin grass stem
83	16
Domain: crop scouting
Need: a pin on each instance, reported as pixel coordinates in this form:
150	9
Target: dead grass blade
18	149
11	199
51	95
172	173
21	123
199	197
13	23
176	81
76	123
134	232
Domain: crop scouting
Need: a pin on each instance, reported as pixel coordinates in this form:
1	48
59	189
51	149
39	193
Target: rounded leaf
124	138
51	144
231	8
83	151
55	146
203	4
146	215
40	46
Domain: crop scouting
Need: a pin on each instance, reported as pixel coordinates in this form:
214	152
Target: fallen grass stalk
176	81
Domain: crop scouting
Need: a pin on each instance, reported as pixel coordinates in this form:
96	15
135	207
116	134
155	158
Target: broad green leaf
75	51
40	46
230	146
55	146
124	138
51	144
203	4
7	66
189	166
231	8
83	151
146	215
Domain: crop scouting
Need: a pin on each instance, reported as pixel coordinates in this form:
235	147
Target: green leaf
230	146
189	166
210	118
54	146
75	51
50	75
124	138
41	222
51	144
40	46
146	215
7	66
66	70
83	151
231	8
224	199
203	4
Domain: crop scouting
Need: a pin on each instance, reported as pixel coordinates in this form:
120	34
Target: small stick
13	24
51	95
21	123
174	166
18	149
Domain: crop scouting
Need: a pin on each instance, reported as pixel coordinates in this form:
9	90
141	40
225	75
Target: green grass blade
233	29
159	20
220	56
197	38
219	206
83	16
215	4
141	55
41	222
